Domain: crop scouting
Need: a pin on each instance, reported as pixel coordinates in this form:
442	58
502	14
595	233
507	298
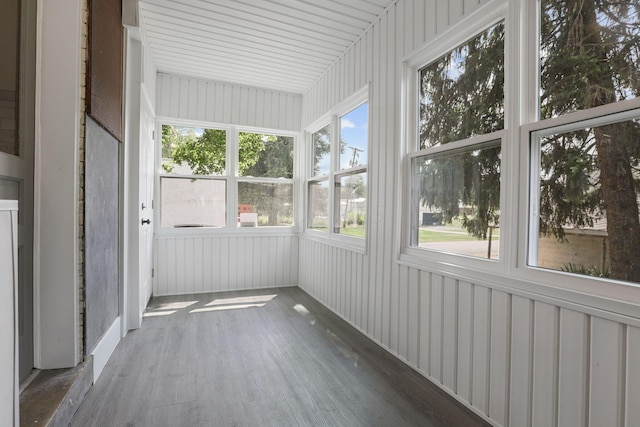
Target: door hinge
153	273
153	135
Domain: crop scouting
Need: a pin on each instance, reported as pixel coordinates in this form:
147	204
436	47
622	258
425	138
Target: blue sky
353	130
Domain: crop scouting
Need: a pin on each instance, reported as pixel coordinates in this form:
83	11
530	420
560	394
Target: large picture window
455	163
585	158
337	189
222	178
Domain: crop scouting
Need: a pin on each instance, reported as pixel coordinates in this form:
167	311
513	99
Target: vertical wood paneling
500	347
419	7
435	357
608	373
430	20
174	99
172	274
545	365
425	322
227	99
183	98
207	264
442	14
192	99
406	26
413	317
192	96
403	311
521	362
163	86
465	340
470	6
198	265
481	341
632	400
573	372
449	333
364	304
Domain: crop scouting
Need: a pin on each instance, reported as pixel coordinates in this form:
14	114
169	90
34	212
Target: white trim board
102	352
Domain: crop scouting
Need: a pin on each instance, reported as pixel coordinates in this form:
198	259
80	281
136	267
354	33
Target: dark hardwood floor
271	357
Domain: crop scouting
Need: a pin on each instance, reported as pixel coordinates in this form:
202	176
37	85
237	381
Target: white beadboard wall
512	357
215	102
223	263
189	264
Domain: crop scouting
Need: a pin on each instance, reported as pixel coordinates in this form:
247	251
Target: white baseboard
104	349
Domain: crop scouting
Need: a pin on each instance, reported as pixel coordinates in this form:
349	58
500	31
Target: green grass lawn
428	235
354	230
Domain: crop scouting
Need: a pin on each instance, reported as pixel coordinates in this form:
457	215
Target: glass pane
354	127
319	205
462	93
589	190
589	54
193	151
267	204
265	155
321	151
456	206
9	67
351	204
190	202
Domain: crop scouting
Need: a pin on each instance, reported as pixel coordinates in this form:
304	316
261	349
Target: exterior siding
513	357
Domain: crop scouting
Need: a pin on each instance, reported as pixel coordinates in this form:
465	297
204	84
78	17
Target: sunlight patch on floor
226	307
158	313
242	300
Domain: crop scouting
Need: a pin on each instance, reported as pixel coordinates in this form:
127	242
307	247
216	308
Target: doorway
17	106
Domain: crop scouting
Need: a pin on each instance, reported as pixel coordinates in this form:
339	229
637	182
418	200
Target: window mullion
533	208
232	180
335	159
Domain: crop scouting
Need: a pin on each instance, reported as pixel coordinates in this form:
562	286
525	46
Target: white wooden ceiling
282	45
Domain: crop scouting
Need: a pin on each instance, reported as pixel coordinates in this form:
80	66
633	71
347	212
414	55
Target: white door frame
134	296
130	182
56	188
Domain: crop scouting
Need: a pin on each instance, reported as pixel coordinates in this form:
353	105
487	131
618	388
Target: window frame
411	66
607	294
332	118
231	177
511	273
527	236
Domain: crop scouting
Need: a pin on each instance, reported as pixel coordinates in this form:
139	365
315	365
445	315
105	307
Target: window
337	189
585	151
456	156
266	186
350	183
219	178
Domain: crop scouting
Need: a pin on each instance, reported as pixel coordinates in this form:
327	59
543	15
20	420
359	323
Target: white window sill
600	297
225	232
349	243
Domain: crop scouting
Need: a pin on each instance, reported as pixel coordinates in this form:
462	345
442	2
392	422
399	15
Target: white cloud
347	124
